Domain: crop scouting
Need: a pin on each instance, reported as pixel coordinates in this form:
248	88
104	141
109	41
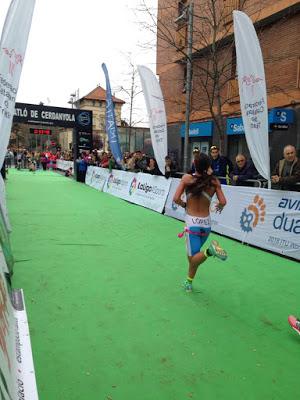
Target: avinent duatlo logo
253	214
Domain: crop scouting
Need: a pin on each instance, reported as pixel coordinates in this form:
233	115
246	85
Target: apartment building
215	110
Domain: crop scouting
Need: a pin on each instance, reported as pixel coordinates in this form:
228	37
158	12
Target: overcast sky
69	40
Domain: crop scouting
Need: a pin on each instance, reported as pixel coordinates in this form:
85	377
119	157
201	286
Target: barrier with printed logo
17	376
269	219
96	177
143	189
64	165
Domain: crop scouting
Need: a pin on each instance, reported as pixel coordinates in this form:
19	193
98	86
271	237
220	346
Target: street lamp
72	100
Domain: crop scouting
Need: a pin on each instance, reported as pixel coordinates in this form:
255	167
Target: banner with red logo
17	376
157	115
253	93
12	52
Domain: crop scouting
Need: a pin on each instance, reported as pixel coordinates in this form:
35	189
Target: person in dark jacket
221	165
242	171
286	175
170	168
152	167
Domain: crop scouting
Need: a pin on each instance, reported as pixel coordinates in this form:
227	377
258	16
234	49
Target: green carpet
109	320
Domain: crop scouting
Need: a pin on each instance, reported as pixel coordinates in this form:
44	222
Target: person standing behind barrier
199	188
170	168
44	161
81	169
287	171
221	165
152	167
242	171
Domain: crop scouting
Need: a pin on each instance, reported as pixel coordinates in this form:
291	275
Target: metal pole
131	106
190	11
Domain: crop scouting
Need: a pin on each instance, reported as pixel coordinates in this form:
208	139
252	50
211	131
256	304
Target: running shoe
217	251
188	287
295	323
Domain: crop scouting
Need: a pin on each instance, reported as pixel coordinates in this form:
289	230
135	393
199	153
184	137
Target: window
182	13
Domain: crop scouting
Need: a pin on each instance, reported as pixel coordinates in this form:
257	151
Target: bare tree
213	54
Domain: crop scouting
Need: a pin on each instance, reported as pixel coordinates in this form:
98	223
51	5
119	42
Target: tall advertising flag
157	115
253	93
13	45
111	126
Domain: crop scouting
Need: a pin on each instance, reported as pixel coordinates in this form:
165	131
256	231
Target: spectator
81	169
44	161
140	161
242	171
104	163
196	156
221	165
130	162
152	167
69	172
287	171
170	168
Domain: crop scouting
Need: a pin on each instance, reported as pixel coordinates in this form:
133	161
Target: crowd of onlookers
286	175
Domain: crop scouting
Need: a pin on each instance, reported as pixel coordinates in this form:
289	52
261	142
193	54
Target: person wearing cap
221	165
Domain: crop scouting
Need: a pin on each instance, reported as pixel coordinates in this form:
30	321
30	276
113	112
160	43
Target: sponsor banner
110	120
265	218
118	183
149	191
53	116
252	90
64	165
172	209
157	115
12	52
96	177
143	189
269	219
17	377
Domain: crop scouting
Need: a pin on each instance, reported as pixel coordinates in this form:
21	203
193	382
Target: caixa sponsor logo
237	128
285	222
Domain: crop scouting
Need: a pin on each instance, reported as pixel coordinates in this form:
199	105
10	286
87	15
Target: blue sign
281	116
111	126
235	126
198	129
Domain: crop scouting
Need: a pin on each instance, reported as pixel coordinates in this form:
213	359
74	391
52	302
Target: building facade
215	110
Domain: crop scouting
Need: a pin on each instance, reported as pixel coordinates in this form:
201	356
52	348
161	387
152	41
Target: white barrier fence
269	219
17	376
64	165
143	189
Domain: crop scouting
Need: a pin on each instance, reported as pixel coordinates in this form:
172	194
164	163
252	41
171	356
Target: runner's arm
220	196
180	190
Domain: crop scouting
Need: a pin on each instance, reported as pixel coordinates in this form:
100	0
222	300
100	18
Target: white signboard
149	191
269	219
118	183
64	165
96	177
172	209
